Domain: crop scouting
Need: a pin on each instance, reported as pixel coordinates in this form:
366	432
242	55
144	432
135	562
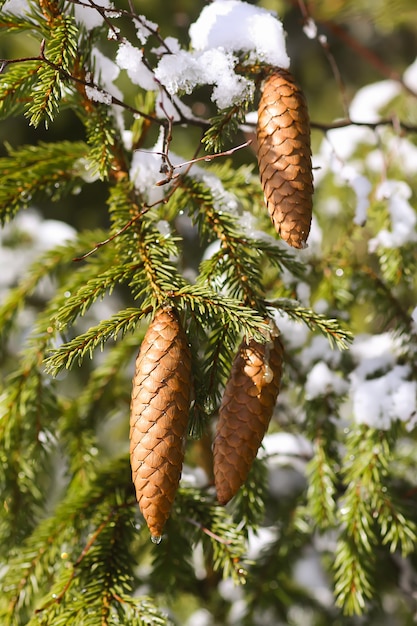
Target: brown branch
368	55
57	598
394	122
206	158
354	44
322	39
208	532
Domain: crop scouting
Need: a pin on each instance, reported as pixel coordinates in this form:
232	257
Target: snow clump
224	29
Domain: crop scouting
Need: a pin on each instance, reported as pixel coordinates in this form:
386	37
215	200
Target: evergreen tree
180	259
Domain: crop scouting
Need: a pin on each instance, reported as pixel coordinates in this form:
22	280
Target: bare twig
206	158
322	39
208	532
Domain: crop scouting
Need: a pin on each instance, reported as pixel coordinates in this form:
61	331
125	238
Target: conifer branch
76	349
50	169
330	328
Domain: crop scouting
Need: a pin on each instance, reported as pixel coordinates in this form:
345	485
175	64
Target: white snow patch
341	143
303	291
39	236
51	233
285	444
223	200
144	28
318	350
368	101
379	401
236	26
98	95
374	352
194	477
171	107
130	58
183	71
294	333
200	617
88	16
16	7
258	541
310	28
362	188
365	107
405	152
381	391
321	381
224	29
403	216
410	76
107	72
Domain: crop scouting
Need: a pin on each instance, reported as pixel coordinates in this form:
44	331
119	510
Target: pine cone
158	417
284	157
245	412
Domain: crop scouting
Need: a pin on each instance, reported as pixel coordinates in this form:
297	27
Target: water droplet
156	539
268	374
54	596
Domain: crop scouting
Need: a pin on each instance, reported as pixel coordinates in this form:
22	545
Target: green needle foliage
332	492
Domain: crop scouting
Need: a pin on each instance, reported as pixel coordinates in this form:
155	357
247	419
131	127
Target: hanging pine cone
284	157
158	417
246	409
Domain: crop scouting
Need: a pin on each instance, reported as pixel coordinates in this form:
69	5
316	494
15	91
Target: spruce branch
223	127
57	551
210	308
321	492
16	83
75	350
330	328
87	291
102	140
104	393
368	510
28	172
61	51
323	479
249	503
49	264
27	410
223	541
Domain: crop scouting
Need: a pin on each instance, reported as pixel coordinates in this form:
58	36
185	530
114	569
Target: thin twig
57	598
206	158
208	532
322	39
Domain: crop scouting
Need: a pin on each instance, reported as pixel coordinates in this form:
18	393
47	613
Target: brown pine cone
284	157
245	412
158	417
